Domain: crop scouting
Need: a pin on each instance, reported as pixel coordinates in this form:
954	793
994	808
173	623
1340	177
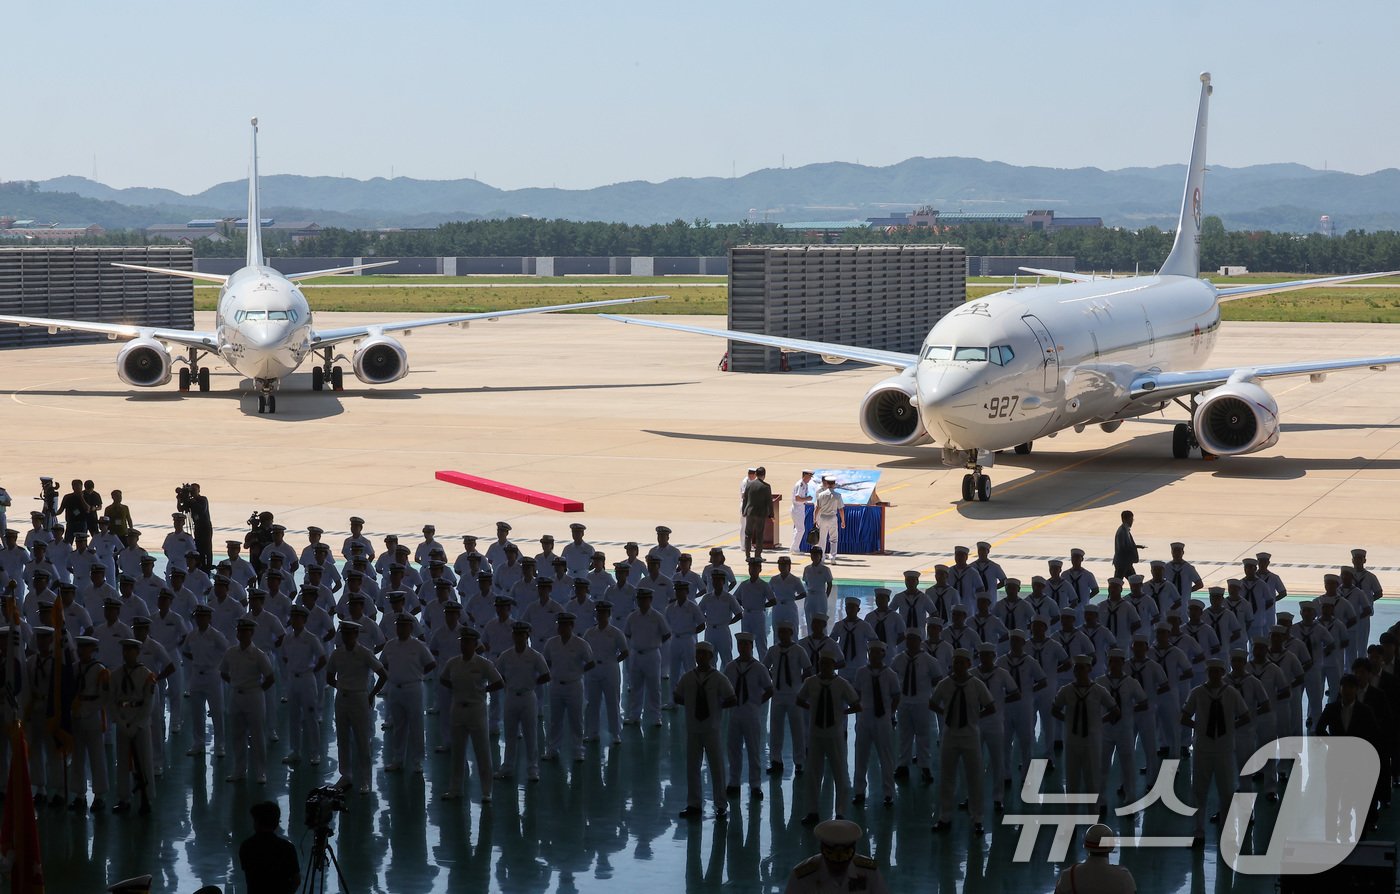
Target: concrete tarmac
642	427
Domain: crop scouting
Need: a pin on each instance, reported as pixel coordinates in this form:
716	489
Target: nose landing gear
267	395
976	487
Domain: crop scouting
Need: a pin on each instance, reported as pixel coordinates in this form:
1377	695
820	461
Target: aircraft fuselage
1074	351
263	323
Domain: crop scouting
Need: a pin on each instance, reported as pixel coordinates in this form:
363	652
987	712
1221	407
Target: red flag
19	830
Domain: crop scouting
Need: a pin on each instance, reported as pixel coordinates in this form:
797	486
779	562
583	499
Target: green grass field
698	295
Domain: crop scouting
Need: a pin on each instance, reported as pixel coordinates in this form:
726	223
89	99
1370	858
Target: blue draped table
864	533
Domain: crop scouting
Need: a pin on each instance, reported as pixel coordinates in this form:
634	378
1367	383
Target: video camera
184	498
48	498
322	804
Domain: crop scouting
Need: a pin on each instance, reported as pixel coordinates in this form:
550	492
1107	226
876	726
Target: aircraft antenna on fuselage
255	249
1185	257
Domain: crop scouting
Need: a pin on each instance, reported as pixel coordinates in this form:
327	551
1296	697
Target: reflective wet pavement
591	826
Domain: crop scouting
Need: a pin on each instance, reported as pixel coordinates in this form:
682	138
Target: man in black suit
758	506
1125	548
1370	694
1349	717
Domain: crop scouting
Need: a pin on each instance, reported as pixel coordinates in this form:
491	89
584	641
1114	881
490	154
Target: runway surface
643	428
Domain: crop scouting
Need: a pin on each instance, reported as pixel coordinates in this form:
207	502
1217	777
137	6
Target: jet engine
380	360
889	414
144	362
1236	418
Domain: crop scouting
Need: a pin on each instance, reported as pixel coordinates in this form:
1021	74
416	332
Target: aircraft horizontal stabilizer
310	274
183	274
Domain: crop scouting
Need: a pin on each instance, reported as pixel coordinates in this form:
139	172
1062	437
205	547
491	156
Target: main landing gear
267	395
194	374
1184	435
327	372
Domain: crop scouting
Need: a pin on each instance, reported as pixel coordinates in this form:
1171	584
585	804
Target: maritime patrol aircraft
263	327
1027	363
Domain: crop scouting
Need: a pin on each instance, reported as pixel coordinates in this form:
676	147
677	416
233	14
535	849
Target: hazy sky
583	94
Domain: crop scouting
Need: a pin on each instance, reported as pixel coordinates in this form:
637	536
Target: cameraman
259	535
202	526
269	861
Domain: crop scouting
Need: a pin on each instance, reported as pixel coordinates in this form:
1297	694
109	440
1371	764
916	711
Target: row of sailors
1143	692
1340	618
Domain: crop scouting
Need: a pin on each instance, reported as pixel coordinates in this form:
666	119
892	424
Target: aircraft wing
1061	274
1167	385
826	349
184	337
1234	292
327	337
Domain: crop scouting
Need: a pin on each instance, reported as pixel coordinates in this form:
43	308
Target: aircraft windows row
257	316
1001	355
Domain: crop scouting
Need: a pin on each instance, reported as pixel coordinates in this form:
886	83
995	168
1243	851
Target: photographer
269	861
259	535
190	501
74	510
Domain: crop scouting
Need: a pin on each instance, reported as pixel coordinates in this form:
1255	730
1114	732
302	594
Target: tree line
1105	248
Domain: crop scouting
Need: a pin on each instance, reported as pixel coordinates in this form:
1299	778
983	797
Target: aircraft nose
265	334
946	401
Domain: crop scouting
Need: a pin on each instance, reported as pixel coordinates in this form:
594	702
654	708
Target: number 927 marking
1001	407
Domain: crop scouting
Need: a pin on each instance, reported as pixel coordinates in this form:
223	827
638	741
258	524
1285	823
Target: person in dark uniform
1125	549
1347	716
758	506
269	861
203	527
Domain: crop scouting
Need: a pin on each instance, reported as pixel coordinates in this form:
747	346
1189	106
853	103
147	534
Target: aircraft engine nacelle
380	360
1236	418
889	416
144	362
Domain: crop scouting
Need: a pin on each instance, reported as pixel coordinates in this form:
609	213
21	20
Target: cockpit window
277	315
979	354
1002	355
249	315
938	352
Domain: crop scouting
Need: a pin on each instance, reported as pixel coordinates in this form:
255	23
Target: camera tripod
321	854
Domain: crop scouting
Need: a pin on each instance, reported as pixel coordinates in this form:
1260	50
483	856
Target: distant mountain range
1284	197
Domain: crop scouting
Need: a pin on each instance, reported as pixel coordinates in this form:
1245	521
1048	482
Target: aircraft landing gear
1184	435
267	395
192	374
1024	449
1182	440
976	487
327	373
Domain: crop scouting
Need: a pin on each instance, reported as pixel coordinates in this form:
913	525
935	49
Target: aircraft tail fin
1185	257
255	248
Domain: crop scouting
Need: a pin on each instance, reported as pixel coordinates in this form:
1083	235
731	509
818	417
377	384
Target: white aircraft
263	327
1027	363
